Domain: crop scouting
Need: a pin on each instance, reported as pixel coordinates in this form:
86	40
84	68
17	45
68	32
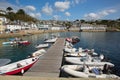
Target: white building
2	12
43	27
58	28
13	27
93	27
3	19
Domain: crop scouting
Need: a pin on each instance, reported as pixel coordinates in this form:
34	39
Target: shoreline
33	32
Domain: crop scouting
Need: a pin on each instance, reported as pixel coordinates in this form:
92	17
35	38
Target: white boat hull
76	71
79	60
22	65
42	46
51	40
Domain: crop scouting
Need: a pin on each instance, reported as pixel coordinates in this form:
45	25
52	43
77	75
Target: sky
66	9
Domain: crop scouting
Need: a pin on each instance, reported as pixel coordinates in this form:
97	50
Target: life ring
22	71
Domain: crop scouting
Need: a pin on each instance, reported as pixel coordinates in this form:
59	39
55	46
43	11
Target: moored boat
88	60
22	65
73	39
9	43
42	45
85	71
52	40
23	42
81	52
69	50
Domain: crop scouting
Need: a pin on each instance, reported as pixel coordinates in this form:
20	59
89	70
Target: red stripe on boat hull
20	69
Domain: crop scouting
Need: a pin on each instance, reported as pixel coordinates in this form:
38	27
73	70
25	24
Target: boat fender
22	71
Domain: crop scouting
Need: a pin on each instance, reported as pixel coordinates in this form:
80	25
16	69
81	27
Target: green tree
9	9
20	12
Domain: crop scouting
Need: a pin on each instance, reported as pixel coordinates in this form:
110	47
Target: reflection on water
107	43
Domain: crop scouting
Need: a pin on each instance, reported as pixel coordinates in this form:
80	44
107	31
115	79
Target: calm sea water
107	43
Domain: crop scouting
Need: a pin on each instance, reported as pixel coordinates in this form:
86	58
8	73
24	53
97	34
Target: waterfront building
43	27
2	27
2	12
13	27
90	27
3	19
58	28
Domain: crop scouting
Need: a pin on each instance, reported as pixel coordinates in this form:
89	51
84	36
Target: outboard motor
101	57
80	50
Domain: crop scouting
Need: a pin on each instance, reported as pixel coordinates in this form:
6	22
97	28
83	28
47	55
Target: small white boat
81	52
73	39
52	40
9	43
22	65
87	60
69	50
76	54
42	45
85	71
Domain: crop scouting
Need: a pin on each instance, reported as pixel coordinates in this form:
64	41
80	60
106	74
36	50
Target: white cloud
30	8
99	15
56	17
74	2
35	15
47	9
62	6
67	14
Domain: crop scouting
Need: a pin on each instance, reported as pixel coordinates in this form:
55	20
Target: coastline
28	33
33	32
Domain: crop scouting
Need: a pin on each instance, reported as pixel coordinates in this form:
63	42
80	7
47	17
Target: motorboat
42	45
21	66
89	60
23	42
73	39
85	71
81	52
52	40
69	50
9	43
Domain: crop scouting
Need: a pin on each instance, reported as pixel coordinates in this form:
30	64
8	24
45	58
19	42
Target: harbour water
107	43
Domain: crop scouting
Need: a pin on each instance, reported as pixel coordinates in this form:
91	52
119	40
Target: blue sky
66	9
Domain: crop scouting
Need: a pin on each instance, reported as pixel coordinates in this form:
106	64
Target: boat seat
96	71
19	65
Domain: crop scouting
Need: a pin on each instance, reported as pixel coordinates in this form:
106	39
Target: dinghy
21	66
81	52
88	60
42	45
9	43
52	40
69	50
73	39
23	42
84	71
